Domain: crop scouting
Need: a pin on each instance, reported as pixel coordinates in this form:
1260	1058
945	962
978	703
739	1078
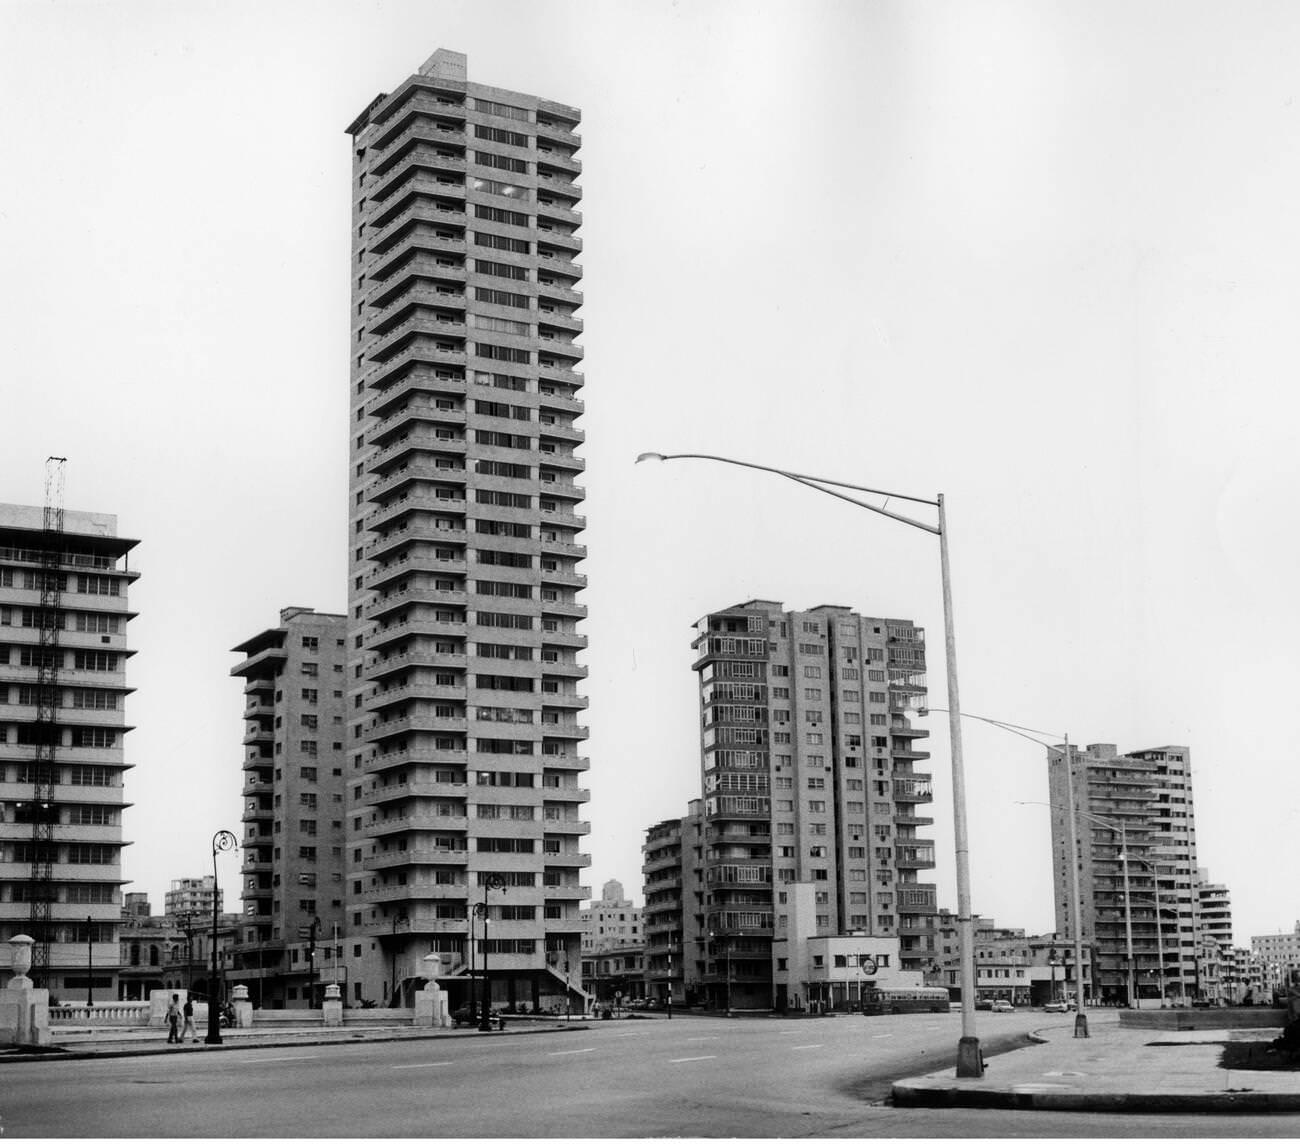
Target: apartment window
310	643
811	672
816	784
817	806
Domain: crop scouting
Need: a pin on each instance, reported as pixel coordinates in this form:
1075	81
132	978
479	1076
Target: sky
1041	257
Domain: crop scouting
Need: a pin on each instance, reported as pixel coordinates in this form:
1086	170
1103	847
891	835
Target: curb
909	1096
57	1053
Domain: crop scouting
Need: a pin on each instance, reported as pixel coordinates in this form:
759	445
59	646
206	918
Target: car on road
1057	1007
1000	1006
981	1004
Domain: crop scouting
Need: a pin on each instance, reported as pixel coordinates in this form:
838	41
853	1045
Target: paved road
688	1077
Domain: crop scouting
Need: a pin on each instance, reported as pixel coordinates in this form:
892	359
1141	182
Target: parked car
982	1004
1000	1006
470	1014
1056	1007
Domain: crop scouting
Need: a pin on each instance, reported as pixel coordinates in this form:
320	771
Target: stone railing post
243	1007
332	1007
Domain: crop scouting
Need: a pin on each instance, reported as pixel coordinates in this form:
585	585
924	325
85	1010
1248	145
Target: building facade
808	774
1136	835
463	748
611	920
672	859
294	811
1277	955
64	579
193	896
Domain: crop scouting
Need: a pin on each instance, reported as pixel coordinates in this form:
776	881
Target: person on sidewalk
188	1010
173	1019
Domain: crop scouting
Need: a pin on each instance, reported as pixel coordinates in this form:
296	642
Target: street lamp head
651	457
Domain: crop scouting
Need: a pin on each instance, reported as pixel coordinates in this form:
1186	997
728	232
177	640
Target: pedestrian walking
188	1010
174	1020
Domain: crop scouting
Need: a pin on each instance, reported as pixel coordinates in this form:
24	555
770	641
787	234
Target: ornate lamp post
490	882
222	841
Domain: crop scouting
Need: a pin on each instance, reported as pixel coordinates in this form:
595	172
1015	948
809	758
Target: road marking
684	1060
690	1039
570	1052
796	1048
426	1065
789	1032
880	1036
618	1036
268	1060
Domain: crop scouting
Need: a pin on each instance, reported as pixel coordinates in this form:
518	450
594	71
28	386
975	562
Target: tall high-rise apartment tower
1134	813
63	653
810	796
464	743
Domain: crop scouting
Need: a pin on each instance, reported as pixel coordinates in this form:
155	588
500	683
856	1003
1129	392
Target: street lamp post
221	841
1160	924
1052	963
490	882
90	964
312	975
970	1061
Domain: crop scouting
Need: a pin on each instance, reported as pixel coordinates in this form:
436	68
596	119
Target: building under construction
64	579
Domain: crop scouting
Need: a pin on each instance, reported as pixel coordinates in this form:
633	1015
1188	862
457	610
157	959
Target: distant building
294	786
173	951
192	896
1277	954
64	580
611	921
672	871
615	974
1134	811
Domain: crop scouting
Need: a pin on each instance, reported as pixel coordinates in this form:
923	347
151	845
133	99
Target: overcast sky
1044	258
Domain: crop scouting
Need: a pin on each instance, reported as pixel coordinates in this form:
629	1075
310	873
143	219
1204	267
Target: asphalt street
693	1076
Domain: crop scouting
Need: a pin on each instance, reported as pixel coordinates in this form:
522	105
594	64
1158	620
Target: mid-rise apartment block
463	744
192	896
672	858
809	779
64	578
1135	815
611	921
294	811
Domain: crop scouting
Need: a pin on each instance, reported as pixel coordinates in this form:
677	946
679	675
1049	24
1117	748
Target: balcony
421	350
417	856
448	172
418	381
422	821
385	514
918	788
404	596
407	723
409	534
405	756
420	130
416	442
383	666
376	794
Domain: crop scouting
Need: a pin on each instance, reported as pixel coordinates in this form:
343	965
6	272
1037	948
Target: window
501	242
501	298
817	806
493	187
99	585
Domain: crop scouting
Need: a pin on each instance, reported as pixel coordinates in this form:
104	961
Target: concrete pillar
24	1010
333	1007
243	1007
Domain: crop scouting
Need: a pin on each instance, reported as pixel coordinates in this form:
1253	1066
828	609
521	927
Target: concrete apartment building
463	743
1137	806
294	812
1277	955
808	780
192	896
672	858
611	921
64	579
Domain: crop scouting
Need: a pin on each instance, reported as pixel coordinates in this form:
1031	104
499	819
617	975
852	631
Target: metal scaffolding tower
46	731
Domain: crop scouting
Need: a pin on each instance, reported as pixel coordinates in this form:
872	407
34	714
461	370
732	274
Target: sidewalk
1116	1069
93	1043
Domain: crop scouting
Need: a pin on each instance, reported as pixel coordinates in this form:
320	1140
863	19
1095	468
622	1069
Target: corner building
464	742
63	689
809	780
